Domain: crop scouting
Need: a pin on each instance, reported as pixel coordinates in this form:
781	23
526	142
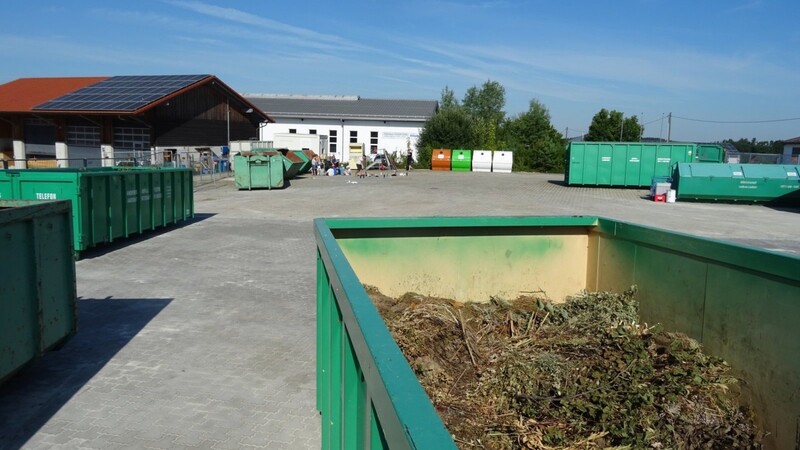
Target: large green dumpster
292	162
37	292
108	203
630	164
741	303
259	170
461	160
737	182
711	153
306	167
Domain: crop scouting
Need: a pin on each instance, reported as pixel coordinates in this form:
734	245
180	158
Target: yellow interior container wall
472	268
747	317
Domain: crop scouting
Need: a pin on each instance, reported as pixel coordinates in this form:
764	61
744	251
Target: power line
736	121
654	120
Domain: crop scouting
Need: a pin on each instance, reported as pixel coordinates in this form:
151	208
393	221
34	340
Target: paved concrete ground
202	336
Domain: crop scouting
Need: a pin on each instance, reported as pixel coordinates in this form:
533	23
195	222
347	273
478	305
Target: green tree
631	130
448	128
612	126
754	146
448	100
485	106
486	102
537	145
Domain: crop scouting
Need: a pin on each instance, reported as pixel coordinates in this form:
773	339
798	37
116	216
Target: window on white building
312	131
293	130
332	140
354	137
373	142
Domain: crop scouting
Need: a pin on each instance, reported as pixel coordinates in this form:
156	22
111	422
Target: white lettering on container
45	196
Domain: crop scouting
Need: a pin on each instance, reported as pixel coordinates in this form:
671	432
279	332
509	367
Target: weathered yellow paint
472	268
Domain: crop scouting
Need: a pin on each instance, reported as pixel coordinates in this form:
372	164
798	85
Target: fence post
5	164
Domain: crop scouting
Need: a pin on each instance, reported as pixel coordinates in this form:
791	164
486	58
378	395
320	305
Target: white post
20	155
107	153
62	154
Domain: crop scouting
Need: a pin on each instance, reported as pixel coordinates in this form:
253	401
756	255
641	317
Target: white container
502	161
671	195
481	160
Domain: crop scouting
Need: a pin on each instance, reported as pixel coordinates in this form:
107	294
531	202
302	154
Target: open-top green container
741	303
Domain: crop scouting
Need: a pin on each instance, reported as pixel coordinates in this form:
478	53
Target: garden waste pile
582	374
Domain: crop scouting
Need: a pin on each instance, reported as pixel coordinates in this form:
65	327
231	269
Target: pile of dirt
583	374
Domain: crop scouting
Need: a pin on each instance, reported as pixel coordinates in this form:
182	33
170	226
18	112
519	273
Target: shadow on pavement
102	249
31	397
784	208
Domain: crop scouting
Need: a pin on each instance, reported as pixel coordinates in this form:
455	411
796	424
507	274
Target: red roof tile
23	94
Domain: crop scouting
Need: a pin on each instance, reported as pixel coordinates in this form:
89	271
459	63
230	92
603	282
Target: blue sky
734	60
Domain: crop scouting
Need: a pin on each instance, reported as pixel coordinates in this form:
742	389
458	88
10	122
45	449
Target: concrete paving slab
202	336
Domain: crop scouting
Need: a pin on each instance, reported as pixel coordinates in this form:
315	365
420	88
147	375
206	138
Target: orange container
440	159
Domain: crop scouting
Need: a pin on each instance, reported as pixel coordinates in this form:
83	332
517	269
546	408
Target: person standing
315	165
409	160
362	167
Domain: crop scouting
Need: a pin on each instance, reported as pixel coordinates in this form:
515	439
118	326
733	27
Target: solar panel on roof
122	93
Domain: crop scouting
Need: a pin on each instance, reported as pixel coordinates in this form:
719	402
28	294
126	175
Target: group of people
331	166
328	166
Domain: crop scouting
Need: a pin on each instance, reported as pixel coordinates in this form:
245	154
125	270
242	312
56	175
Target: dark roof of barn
132	94
332	107
792	141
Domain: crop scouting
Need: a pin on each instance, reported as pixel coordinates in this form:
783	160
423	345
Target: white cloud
752	4
302	36
56	48
665	70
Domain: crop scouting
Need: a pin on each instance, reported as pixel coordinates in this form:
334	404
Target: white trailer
293	141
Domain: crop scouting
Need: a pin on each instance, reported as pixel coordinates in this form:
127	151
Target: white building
791	151
390	126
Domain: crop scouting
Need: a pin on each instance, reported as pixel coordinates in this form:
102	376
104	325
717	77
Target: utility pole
621	127
669	127
566	133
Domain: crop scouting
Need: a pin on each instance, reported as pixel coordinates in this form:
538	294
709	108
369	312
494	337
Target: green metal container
738	182
306	167
108	203
461	160
292	163
629	164
259	170
740	303
37	292
713	153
